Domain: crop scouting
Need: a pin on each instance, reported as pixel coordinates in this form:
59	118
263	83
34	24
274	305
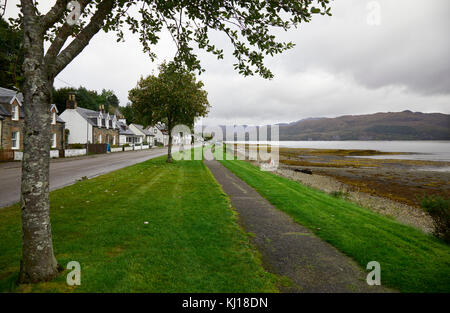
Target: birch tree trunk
38	261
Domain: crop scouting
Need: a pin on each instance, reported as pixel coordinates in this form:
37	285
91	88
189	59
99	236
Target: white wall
54	154
77	126
18	156
74	152
160	137
122	140
135	130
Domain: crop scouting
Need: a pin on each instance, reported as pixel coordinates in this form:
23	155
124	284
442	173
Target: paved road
65	172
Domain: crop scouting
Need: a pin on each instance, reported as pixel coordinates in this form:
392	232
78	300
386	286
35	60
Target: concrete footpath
289	249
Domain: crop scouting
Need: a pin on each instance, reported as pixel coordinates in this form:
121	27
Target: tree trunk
169	148
38	261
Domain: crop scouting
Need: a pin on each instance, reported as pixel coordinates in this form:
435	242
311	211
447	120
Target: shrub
339	194
126	145
438	208
77	146
159	144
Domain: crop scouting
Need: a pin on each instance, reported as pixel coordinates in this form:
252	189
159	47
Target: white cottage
145	135
88	126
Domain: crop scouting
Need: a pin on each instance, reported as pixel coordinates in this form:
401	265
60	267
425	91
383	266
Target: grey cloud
410	47
339	66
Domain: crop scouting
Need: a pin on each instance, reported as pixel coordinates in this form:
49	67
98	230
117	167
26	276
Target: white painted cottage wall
122	140
77	126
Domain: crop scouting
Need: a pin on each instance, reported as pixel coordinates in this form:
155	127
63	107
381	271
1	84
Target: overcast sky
341	65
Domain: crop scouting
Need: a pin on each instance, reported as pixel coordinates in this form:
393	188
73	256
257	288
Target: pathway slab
289	249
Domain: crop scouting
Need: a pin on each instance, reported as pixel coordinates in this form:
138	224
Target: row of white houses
88	126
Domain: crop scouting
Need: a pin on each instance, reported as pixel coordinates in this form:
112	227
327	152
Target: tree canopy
128	113
89	99
11	56
247	25
173	97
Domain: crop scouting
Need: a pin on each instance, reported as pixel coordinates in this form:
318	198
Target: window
99	122
114	141
15	112
53	118
155	131
15	140
53	140
99	138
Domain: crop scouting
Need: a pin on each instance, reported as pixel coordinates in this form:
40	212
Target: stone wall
59	130
10	126
107	135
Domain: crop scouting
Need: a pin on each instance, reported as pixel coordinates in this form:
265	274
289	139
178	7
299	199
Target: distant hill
404	125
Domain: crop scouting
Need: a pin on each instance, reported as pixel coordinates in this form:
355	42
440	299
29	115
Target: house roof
58	119
92	116
7	95
141	129
3	111
124	130
162	128
89	115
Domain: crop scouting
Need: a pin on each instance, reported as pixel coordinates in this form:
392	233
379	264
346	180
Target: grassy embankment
192	242
411	261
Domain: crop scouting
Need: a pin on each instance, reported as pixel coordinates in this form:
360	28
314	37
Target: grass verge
410	260
192	242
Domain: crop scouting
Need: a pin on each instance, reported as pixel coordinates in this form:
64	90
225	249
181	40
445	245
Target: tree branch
54	14
28	8
83	38
64	32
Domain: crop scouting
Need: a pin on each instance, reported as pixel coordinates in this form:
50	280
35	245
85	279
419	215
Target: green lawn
410	260
192	242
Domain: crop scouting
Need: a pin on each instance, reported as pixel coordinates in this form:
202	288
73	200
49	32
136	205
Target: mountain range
406	125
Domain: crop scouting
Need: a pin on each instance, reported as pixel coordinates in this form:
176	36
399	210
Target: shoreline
403	213
390	187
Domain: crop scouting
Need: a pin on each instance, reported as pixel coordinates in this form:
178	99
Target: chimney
71	103
101	108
